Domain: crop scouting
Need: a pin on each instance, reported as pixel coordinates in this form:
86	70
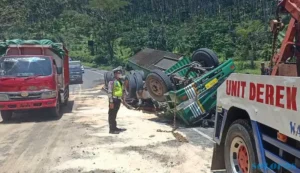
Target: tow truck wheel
6	115
240	151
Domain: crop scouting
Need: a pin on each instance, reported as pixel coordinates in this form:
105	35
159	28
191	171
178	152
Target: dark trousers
112	114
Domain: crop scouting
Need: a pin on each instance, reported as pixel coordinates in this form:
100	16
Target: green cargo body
150	59
197	99
182	62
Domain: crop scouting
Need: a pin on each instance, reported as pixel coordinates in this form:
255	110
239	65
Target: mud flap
218	163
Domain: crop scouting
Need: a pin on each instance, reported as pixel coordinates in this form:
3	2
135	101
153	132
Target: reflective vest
117	89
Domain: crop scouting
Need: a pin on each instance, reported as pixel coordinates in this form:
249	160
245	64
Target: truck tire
55	111
108	76
158	83
142	74
206	57
240	150
6	115
139	81
130	86
132	72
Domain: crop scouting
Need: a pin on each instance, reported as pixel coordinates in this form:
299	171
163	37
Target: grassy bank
100	67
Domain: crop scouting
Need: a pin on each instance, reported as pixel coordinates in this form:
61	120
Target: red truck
34	74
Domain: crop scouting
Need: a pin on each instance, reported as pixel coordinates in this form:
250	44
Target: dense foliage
119	28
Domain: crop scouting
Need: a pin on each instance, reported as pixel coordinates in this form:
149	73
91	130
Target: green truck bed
193	102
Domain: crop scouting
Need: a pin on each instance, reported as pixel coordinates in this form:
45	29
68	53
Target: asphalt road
34	142
91	78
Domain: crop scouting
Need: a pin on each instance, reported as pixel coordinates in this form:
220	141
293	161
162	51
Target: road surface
79	141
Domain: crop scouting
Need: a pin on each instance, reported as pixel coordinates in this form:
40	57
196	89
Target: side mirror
59	70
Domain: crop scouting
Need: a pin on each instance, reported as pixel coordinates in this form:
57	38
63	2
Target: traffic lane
92	78
199	136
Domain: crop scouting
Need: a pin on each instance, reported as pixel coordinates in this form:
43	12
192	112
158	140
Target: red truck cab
33	76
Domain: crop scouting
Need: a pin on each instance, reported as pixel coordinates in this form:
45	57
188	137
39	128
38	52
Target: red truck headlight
48	94
4	97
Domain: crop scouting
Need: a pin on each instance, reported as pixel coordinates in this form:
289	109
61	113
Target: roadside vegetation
105	33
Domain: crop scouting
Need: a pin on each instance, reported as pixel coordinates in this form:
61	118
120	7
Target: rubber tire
131	91
56	111
132	72
108	76
242	129
105	79
160	75
207	56
139	81
6	115
142	74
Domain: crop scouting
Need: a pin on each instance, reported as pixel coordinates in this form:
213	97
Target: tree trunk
110	50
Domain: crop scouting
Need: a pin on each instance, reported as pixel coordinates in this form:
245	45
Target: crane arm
291	39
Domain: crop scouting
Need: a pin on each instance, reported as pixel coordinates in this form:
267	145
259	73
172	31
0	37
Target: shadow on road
38	115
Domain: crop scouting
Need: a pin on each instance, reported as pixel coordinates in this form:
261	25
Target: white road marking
96	72
204	135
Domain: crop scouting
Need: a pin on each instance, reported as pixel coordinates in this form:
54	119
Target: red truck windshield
25	66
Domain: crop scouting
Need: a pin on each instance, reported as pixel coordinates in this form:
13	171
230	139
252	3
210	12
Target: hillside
119	28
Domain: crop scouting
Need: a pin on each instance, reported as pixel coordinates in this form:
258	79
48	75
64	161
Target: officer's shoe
120	130
114	132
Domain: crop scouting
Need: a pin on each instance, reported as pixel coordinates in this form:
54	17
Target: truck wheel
139	81
130	86
108	76
206	57
105	79
158	83
6	115
55	112
142	74
240	150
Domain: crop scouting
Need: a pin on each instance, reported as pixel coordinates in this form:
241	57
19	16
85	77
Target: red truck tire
6	115
240	152
55	111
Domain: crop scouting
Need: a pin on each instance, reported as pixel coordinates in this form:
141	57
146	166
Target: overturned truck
174	83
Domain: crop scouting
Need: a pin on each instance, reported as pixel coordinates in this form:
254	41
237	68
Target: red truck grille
17	96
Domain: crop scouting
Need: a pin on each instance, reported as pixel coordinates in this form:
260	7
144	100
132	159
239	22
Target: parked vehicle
82	68
75	72
34	75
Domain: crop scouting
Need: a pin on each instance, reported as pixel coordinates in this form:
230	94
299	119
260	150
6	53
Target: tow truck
257	125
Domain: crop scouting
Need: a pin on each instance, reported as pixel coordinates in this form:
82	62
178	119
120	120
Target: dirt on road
80	142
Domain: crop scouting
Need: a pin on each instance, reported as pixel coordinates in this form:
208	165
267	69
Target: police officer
115	93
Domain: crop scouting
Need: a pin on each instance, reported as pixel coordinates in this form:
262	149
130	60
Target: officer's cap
118	69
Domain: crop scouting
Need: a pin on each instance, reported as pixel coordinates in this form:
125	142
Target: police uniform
115	93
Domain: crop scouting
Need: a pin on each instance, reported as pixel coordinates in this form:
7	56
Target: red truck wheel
240	152
55	112
6	115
